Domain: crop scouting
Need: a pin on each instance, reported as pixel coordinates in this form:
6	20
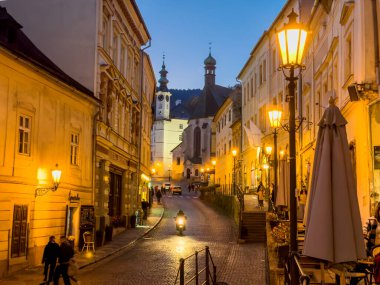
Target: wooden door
19	231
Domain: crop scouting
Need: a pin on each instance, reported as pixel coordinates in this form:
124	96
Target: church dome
210	60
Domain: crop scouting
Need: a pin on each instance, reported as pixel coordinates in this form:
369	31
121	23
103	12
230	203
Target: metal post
196	269
169	174
292	161
207	266
214	175
275	167
182	271
234	187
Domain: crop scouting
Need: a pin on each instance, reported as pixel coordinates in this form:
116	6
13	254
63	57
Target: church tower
163	95
210	66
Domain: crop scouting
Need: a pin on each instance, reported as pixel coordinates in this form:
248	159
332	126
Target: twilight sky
182	29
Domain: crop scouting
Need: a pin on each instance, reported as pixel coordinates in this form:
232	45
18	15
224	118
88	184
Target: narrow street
155	259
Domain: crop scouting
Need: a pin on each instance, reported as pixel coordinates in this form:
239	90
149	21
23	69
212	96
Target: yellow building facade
46	119
341	60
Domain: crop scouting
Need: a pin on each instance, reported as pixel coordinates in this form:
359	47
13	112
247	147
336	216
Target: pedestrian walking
49	258
144	206
260	195
158	195
66	252
302	203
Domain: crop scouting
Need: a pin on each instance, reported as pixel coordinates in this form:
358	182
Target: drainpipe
141	114
300	134
376	40
94	124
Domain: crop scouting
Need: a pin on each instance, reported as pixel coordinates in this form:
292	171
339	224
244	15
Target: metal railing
304	279
208	268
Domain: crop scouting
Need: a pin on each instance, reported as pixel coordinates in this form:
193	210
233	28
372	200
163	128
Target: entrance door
19	236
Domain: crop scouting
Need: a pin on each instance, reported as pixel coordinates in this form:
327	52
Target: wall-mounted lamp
56	176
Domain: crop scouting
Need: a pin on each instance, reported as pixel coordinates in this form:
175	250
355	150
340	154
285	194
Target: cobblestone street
155	259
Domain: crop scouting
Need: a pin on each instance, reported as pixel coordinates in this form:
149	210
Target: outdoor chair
88	242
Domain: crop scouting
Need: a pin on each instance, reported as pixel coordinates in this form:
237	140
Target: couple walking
63	252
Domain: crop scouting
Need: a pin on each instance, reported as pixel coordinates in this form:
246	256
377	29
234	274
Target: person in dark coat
144	206
49	258
158	195
66	252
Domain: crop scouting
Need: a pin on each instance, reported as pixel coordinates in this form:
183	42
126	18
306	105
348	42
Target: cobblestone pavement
155	259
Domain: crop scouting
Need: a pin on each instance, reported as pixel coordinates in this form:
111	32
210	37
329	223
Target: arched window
197	142
188	173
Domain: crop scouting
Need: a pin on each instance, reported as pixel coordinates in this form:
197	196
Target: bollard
182	271
196	269
207	267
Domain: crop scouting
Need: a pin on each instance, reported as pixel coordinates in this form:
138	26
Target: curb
127	245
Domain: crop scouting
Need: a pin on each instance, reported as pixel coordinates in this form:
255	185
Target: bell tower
163	95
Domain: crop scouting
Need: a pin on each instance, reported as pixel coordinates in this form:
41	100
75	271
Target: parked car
177	190
167	186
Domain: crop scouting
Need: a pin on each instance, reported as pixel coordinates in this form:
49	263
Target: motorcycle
180	222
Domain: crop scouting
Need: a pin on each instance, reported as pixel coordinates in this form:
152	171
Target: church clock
160	97
167	98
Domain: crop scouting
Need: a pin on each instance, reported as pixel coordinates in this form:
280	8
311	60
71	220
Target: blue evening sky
182	29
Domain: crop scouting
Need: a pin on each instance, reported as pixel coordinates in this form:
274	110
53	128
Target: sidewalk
120	242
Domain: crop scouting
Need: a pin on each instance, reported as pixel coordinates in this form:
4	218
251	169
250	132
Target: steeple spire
163	80
210	66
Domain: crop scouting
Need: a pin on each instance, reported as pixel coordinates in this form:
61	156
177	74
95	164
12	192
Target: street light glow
292	39
234	152
275	118
213	162
268	150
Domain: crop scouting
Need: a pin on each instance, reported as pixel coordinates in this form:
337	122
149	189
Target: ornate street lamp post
275	123
234	153
213	162
292	39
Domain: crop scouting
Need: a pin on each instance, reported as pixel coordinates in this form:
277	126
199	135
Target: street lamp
292	39
275	123
234	153
56	177
213	162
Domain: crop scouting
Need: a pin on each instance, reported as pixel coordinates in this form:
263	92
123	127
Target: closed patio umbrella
333	225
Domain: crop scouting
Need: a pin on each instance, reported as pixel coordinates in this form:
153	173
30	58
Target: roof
211	99
179	145
16	42
180	112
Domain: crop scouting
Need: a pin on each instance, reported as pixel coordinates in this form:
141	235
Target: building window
178	160
180	126
229	146
24	135
115	47
114	201
229	116
265	70
261	74
348	57
196	172
74	149
106	30
274	63
123	56
251	88
197	142
180	137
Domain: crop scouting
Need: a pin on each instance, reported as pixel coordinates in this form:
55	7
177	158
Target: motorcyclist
182	215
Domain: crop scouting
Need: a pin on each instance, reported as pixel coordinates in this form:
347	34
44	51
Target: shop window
19	230
24	135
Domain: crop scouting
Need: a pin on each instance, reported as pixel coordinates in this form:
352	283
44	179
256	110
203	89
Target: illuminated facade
46	119
340	61
224	120
101	44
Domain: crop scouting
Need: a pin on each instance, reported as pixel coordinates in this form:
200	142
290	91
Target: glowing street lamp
234	153
213	162
292	40
275	122
56	177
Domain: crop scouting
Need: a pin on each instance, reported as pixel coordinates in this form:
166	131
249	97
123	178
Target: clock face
161	97
167	98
